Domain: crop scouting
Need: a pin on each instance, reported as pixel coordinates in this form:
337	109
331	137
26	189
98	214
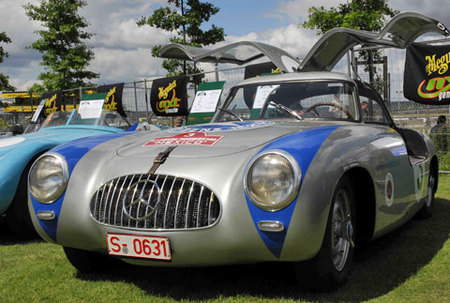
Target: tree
185	18
4	79
368	15
65	55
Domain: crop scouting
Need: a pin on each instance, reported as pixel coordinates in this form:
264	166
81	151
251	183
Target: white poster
262	93
91	109
38	111
205	101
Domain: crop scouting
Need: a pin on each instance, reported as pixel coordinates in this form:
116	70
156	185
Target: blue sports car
19	152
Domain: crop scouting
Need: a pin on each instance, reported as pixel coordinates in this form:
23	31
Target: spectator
439	134
440	126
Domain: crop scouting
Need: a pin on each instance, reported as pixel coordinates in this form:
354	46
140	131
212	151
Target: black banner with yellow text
113	100
427	74
169	96
53	102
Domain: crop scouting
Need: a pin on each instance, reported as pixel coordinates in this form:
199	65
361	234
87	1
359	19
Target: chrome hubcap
341	230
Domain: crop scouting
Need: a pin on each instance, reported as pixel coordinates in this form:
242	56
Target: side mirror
17	129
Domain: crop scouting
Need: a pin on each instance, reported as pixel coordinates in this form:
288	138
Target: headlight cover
48	177
272	180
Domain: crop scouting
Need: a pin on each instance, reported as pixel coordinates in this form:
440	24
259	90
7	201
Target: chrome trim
199	205
46	215
168	201
178	202
271	226
139	201
297	180
184	204
65	171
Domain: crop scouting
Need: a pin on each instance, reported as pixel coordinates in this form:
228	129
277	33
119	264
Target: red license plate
138	246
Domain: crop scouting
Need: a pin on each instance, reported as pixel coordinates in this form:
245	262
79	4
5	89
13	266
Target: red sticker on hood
191	138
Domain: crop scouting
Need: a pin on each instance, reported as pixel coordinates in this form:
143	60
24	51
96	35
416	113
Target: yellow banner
27	109
12	95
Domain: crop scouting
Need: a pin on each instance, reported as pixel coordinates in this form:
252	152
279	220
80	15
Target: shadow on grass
379	267
8	238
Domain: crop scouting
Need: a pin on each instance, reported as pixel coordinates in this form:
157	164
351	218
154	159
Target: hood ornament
139	205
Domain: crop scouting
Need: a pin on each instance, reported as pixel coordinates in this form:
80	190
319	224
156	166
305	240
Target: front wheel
330	267
18	215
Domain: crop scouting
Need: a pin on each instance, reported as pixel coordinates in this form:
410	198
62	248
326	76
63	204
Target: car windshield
56	119
106	118
292	100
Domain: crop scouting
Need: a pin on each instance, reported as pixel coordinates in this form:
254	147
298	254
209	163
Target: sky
122	49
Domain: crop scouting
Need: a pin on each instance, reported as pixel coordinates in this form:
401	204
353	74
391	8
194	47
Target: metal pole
349	64
135	101
216	70
146	101
31	101
354	65
386	79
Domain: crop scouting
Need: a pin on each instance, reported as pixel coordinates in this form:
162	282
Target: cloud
116	65
297	11
127	35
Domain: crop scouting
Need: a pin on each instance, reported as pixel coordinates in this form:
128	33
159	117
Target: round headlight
48	177
272	180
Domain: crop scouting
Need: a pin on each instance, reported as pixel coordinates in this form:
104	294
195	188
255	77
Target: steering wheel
338	106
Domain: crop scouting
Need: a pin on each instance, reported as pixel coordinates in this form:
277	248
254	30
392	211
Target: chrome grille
132	201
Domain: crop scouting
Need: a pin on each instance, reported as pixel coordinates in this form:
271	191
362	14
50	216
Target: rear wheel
87	261
330	267
426	210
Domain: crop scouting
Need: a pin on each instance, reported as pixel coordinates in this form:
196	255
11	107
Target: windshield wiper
286	109
231	113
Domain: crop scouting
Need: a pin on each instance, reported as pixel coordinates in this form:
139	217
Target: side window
372	111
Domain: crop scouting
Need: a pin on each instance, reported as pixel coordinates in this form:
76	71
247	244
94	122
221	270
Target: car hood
53	136
210	140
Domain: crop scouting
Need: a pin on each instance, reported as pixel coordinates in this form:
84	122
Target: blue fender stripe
303	146
72	152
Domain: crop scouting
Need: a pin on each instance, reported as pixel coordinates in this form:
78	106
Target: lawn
411	264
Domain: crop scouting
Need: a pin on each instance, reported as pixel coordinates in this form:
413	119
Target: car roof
296	76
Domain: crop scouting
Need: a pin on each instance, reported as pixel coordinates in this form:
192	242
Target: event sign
205	102
91	109
427	74
53	102
169	96
262	93
113	99
256	70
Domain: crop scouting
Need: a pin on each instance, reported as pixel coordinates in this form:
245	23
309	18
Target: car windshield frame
57	118
116	120
332	88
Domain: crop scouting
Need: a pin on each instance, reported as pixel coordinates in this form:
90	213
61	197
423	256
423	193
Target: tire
329	269
86	261
18	215
426	211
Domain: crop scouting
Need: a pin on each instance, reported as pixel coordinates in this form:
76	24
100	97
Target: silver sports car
297	167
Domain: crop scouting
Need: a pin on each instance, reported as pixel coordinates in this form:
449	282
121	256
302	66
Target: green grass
411	264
